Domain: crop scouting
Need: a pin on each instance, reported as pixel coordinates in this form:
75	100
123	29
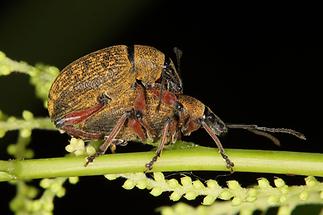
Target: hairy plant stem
197	158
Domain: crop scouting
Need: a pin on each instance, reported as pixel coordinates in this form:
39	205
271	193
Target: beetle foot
229	163
91	158
120	142
150	164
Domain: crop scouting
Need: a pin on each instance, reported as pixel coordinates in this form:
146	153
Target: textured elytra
110	72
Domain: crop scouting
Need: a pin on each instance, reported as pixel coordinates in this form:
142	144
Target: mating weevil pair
122	93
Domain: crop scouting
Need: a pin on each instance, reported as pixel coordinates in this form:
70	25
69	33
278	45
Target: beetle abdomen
80	83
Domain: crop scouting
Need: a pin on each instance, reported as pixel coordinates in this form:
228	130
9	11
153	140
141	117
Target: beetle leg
160	148
166	97
78	116
78	133
173	131
81	115
140	100
139	108
161	91
120	142
137	128
229	163
108	140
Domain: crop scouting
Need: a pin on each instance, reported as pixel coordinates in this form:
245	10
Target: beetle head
213	122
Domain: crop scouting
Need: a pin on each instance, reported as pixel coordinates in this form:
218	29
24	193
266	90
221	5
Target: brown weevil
87	84
122	93
119	122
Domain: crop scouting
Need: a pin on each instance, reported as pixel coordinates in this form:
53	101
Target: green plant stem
7	65
199	158
35	123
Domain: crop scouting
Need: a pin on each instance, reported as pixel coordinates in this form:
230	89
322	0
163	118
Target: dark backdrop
250	63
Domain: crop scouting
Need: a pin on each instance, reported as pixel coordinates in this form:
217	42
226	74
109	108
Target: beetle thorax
192	106
190	117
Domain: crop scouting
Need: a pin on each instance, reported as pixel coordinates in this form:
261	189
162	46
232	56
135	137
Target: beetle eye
179	106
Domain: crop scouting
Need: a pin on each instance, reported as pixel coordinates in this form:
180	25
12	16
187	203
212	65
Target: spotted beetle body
106	74
133	94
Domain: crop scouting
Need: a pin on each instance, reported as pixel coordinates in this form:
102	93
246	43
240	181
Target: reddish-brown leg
140	107
160	148
78	116
109	139
173	131
229	163
140	100
78	133
137	128
166	97
190	126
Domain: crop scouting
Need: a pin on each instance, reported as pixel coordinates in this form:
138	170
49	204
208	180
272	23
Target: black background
249	63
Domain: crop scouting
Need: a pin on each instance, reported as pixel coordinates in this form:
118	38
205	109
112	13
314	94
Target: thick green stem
198	158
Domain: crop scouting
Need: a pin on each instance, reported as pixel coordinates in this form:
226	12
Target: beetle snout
214	122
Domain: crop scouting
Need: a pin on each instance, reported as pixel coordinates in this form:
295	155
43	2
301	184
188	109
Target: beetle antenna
178	54
264	131
267	135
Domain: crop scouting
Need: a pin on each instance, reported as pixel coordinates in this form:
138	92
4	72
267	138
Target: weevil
90	82
119	121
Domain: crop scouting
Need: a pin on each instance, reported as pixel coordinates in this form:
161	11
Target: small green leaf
279	182
159	177
173	183
175	196
61	192
190	195
263	183
111	176
2	133
225	195
27	115
142	184
197	184
213	184
234	185
208	200
310	181
186	181
73	180
128	184
25	132
156	191
45	183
